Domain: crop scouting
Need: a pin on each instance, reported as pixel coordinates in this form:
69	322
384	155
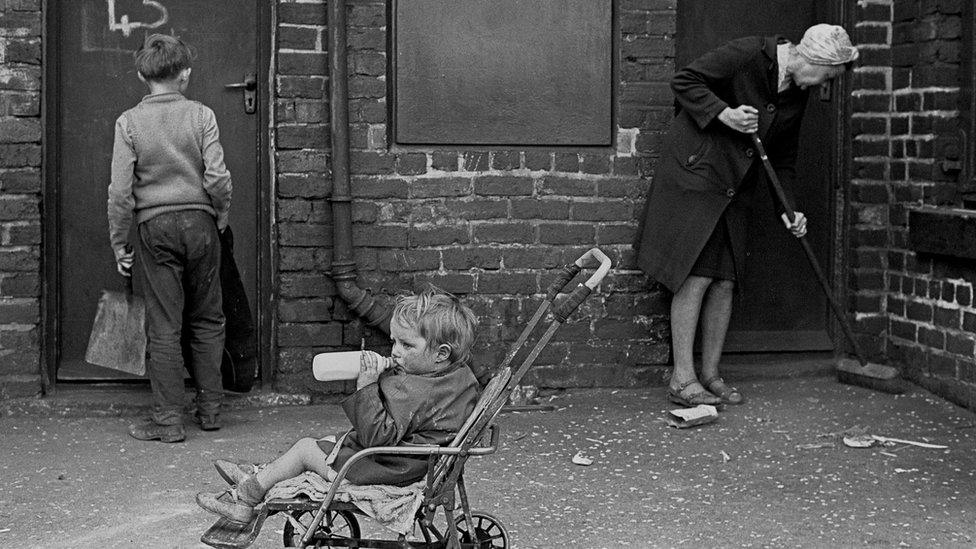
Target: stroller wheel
488	532
337	525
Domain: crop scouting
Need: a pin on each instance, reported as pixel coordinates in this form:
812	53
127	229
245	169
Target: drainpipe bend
343	268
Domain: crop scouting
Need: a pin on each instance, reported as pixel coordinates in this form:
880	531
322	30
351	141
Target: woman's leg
685	310
716	312
715	324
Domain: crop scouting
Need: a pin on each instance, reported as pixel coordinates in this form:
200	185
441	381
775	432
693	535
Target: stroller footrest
229	534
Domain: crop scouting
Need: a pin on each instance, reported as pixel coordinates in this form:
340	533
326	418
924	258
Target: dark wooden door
781	307
96	81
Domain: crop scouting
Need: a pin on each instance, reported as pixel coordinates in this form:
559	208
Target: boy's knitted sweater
167	157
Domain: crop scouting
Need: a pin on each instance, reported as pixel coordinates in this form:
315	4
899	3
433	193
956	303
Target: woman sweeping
693	237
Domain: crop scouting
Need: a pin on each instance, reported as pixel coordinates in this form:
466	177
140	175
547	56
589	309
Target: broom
859	372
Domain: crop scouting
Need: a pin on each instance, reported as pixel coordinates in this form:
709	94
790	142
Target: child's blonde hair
162	57
441	319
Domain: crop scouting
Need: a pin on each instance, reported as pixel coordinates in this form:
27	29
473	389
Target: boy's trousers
179	255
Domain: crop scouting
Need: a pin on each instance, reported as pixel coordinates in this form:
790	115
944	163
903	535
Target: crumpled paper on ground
682	418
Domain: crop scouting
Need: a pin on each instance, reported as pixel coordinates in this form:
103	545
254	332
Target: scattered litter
815	445
580	459
906	470
726	457
4	530
887	440
595	441
682	418
888	454
859	441
866	441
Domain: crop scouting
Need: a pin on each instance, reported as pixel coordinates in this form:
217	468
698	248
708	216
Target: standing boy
168	171
422	395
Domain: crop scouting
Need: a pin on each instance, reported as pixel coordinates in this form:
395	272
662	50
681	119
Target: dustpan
118	336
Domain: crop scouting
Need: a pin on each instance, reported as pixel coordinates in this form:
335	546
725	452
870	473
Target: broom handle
791	215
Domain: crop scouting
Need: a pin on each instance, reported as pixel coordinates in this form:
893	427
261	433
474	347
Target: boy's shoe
227	505
150	430
233	473
207	422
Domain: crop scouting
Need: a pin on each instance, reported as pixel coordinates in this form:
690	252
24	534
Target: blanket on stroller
394	507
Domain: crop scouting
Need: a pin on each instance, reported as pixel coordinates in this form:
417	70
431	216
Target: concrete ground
771	473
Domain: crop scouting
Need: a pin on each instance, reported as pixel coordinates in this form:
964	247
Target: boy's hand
124	257
799	225
371	365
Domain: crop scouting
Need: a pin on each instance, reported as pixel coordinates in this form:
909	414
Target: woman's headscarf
826	45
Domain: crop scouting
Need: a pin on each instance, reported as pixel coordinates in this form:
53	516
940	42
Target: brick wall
905	122
20	188
492	225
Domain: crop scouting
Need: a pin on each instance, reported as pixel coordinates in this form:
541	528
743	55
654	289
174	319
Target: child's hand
799	225
371	365
124	258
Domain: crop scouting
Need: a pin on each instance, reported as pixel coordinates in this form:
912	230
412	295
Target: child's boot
233	472
236	505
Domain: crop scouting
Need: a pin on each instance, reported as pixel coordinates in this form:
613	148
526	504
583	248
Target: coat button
750	152
771	108
730	193
691	159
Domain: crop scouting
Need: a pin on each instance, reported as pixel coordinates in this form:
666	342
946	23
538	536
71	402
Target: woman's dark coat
704	164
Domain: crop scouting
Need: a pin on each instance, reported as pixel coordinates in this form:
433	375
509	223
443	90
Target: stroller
331	523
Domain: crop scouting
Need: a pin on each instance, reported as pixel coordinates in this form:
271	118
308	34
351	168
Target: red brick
302	14
462	259
302	161
494	185
538	160
478	208
303	335
508	283
306	285
476	161
371	163
411	163
305	310
380	236
302	137
566	162
455	283
20	130
616	234
505	160
20	311
440	187
19	260
304	234
438	235
534	208
535	257
960	345
311	63
20	155
565	186
24	234
371	187
20	285
602	211
297	38
410	260
503	232
565	233
444	161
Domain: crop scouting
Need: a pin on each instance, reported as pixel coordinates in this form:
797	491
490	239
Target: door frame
51	212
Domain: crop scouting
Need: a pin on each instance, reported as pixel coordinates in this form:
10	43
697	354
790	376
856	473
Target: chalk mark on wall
126	26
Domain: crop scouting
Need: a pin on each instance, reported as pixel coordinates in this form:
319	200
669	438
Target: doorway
781	307
91	82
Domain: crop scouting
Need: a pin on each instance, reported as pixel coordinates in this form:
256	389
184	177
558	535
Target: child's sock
250	491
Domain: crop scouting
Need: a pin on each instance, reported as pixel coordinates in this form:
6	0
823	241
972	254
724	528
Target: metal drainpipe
343	265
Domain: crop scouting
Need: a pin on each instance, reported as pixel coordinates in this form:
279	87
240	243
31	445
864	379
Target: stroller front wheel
489	533
337	525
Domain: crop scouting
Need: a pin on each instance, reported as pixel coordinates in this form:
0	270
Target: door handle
249	86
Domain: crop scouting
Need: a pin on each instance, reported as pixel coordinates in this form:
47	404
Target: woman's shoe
680	396
729	395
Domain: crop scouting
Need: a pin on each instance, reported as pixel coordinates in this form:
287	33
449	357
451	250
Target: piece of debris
726	457
897	470
887	440
580	459
682	418
859	441
889	454
4	530
815	445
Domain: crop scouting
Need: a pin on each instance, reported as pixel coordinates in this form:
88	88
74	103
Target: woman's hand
799	225
371	365
743	118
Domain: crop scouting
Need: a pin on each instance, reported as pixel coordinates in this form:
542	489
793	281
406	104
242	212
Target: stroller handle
562	311
597	277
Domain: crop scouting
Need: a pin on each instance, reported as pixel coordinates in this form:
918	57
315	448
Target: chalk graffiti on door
126	26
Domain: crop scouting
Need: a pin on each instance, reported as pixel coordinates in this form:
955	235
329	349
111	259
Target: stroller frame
445	464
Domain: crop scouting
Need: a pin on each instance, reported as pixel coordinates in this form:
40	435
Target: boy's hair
162	57
440	318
